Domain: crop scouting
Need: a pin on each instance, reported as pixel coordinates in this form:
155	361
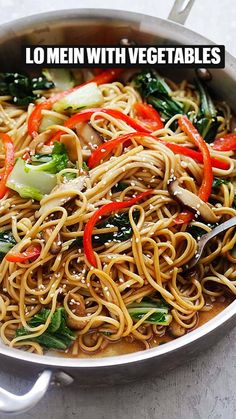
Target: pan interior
96	27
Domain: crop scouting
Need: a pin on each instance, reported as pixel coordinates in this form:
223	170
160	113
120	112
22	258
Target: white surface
203	388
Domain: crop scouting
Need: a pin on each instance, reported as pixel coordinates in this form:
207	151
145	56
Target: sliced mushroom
89	138
191	201
70	143
62	194
176	330
57	243
77	306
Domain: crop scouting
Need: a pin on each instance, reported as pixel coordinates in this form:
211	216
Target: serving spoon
205	239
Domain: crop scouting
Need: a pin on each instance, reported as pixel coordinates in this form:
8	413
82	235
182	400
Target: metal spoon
205	239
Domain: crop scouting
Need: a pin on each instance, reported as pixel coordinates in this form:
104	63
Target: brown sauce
123	347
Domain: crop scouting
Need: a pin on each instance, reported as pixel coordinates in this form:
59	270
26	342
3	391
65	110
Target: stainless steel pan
89	26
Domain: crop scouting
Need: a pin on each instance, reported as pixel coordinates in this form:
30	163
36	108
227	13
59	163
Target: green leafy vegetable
207	128
87	96
41	83
207	107
69	176
61	77
155	91
219	181
51	163
72	175
206	121
123	233
198	232
30	183
160	316
85	166
21	87
37	159
57	336
7	242
120	186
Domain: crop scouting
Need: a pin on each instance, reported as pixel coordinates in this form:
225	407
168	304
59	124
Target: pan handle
14	404
180	11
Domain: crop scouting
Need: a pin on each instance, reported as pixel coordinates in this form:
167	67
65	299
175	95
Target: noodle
150	263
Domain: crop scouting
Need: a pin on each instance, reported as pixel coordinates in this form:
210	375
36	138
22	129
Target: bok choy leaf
57	336
38	178
159	311
7	242
206	121
21	87
30	183
156	91
51	163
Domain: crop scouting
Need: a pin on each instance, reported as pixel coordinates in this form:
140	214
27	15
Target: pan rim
100	13
135	357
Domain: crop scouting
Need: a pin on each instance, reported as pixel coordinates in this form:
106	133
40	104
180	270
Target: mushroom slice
57	243
191	201
89	138
77	306
176	329
61	194
69	141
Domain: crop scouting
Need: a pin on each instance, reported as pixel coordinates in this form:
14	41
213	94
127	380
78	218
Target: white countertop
203	388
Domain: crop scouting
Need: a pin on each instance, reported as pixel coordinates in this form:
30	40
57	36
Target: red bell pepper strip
206	186
86	114
149	116
187	126
195	155
32	252
184	217
97	71
105	209
104	149
106	76
226	143
9	162
36	115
